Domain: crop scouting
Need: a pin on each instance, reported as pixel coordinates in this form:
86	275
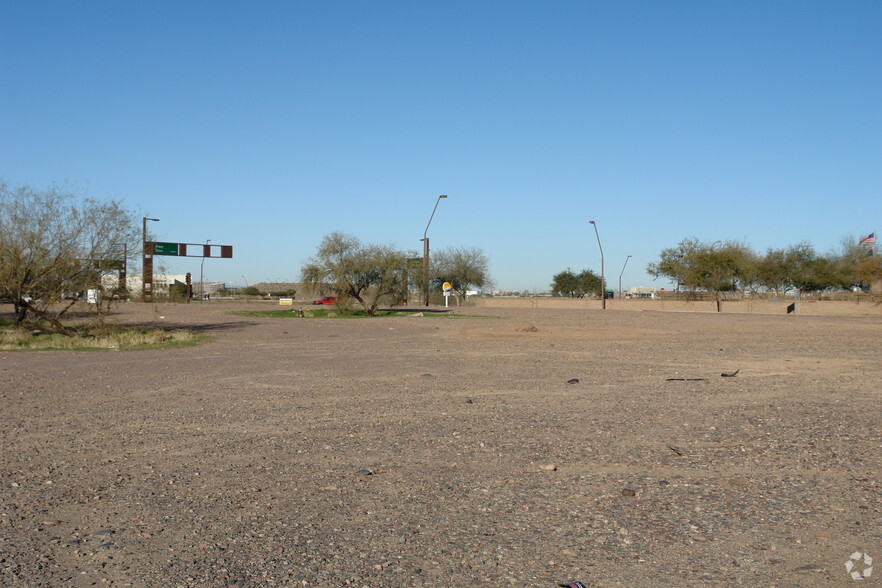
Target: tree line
721	266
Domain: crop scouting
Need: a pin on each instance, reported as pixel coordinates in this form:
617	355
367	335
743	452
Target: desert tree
854	264
771	271
369	274
675	263
713	267
464	267
810	271
52	246
573	285
868	271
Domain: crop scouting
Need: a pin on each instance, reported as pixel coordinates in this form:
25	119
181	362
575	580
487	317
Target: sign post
152	248
446	287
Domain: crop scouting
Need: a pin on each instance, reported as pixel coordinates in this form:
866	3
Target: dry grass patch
95	339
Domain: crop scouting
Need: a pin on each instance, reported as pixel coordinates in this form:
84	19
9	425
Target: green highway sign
165	249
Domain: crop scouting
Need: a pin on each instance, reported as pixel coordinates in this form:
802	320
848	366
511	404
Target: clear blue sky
266	125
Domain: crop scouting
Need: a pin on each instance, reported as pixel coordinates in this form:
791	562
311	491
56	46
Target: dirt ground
525	447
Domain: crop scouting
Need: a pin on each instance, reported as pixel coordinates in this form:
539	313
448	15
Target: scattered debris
573	381
685	379
677	450
527	329
730	374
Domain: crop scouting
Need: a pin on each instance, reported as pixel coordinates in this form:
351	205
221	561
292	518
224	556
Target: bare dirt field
525	447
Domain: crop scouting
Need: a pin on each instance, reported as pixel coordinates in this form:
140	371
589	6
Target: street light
620	275
602	277
146	264
246	281
425	240
202	265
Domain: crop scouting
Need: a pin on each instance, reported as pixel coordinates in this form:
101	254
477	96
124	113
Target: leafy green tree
717	267
771	271
868	271
811	272
368	274
572	285
464	267
53	245
675	263
713	267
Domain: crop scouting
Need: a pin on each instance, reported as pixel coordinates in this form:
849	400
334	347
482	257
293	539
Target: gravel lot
448	450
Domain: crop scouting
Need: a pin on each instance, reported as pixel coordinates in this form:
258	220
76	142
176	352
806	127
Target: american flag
871	238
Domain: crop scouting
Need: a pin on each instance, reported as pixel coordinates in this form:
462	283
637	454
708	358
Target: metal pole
602	277
620	275
426	252
146	264
201	275
426	271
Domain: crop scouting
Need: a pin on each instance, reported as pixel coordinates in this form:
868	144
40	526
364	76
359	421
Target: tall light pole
201	275
146	264
602	277
620	275
246	281
425	241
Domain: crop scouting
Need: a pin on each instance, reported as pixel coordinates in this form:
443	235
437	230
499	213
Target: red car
326	300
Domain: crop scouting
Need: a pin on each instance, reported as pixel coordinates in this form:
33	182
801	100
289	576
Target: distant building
162	283
641	292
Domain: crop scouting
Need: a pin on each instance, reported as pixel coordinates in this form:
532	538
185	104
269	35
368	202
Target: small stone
573	381
548	467
628	492
51	523
808	569
364	473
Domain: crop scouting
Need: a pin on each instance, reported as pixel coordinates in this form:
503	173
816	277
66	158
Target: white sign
859	565
286	301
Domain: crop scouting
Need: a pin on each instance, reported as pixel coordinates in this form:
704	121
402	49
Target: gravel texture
520	448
